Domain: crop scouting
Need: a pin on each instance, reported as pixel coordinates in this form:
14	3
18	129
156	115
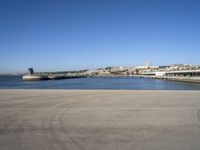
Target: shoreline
170	78
195	80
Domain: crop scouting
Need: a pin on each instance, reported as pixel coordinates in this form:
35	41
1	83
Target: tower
148	64
30	71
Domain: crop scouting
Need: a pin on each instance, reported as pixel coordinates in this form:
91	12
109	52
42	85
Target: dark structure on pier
30	71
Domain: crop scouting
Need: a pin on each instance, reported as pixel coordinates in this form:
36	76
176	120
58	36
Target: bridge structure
191	73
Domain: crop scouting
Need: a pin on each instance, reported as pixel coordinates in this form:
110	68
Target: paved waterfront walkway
99	120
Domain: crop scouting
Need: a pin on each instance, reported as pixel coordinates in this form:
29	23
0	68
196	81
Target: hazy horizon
75	35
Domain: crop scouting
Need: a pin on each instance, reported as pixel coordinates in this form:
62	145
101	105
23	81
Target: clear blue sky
81	34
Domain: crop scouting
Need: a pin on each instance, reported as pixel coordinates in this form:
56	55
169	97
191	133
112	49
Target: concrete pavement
99	120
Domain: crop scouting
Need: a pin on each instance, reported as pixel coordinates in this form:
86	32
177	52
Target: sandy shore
99	120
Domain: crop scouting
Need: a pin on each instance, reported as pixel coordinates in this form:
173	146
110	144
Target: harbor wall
173	78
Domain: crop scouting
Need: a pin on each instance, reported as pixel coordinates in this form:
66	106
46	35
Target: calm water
16	82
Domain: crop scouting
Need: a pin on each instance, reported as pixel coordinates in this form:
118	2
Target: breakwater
50	77
173	78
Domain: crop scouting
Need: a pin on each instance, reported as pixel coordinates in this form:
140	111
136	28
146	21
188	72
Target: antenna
148	64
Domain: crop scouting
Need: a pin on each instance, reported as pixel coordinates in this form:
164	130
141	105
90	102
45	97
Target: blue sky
80	34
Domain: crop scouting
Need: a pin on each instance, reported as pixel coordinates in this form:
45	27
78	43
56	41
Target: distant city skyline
87	34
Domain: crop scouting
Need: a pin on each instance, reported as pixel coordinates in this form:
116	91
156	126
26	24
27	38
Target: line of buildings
177	69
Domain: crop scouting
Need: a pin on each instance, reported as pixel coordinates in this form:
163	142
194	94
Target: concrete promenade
99	120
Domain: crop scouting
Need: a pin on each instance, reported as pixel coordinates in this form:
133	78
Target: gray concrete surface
99	120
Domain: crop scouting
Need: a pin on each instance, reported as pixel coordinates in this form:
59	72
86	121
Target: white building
160	73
